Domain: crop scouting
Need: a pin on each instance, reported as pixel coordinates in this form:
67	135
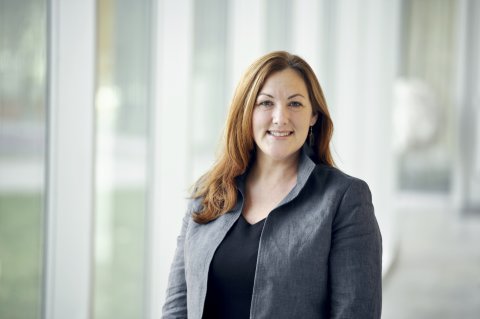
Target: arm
176	296
355	265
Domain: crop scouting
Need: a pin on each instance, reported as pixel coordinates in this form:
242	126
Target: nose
280	115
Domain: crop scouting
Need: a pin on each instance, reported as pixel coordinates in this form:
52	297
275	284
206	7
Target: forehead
285	80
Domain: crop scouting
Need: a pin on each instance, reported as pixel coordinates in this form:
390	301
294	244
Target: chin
280	155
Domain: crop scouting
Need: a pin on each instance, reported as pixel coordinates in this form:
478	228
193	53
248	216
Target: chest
293	237
293	253
260	201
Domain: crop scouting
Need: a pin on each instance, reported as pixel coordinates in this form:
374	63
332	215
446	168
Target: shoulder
350	196
333	179
195	204
341	191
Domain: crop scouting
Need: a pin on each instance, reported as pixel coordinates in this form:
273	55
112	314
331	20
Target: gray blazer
319	256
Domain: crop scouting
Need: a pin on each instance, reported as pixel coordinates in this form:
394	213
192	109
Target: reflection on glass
22	155
424	96
121	142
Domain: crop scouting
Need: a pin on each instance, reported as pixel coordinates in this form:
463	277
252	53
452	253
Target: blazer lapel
201	243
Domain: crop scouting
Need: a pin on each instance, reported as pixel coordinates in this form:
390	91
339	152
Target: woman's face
282	116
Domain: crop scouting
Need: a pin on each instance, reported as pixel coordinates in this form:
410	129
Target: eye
295	104
265	103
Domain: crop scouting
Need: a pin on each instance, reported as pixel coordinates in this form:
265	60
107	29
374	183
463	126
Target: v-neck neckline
246	221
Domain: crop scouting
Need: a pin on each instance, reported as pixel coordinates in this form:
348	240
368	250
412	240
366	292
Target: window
22	156
122	107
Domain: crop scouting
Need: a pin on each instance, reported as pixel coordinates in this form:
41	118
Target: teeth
279	133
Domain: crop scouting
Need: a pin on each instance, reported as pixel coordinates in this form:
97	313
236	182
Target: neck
269	171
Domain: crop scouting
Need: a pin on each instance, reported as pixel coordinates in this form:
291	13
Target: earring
311	137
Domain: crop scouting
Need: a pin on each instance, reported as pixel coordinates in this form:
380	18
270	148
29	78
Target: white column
365	64
307	32
466	166
246	36
344	100
170	145
69	206
378	70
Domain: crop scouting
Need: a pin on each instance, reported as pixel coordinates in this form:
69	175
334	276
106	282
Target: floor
437	270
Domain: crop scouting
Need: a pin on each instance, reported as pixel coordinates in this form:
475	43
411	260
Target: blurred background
110	110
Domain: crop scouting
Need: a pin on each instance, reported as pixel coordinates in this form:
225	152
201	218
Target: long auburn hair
217	188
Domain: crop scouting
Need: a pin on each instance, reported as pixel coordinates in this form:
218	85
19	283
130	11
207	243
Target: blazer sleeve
355	265
176	296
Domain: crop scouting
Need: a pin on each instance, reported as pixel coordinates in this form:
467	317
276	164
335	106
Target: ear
313	120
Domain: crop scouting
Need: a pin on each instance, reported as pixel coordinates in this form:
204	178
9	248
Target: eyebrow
290	97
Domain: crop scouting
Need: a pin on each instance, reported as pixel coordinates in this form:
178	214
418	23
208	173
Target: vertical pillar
314	39
360	97
69	207
246	34
169	131
466	168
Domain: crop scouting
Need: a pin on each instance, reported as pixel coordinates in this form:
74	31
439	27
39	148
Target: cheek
258	122
305	131
303	123
255	128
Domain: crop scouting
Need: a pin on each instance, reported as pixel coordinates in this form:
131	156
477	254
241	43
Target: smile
280	133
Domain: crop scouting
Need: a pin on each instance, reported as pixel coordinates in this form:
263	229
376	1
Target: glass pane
424	96
22	155
121	145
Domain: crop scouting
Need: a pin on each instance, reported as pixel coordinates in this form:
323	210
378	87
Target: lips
280	133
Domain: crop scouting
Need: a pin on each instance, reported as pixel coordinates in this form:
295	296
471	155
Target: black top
232	272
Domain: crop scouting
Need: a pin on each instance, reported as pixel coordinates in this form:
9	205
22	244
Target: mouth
280	133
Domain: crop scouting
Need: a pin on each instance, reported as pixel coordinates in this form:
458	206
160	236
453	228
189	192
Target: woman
274	230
